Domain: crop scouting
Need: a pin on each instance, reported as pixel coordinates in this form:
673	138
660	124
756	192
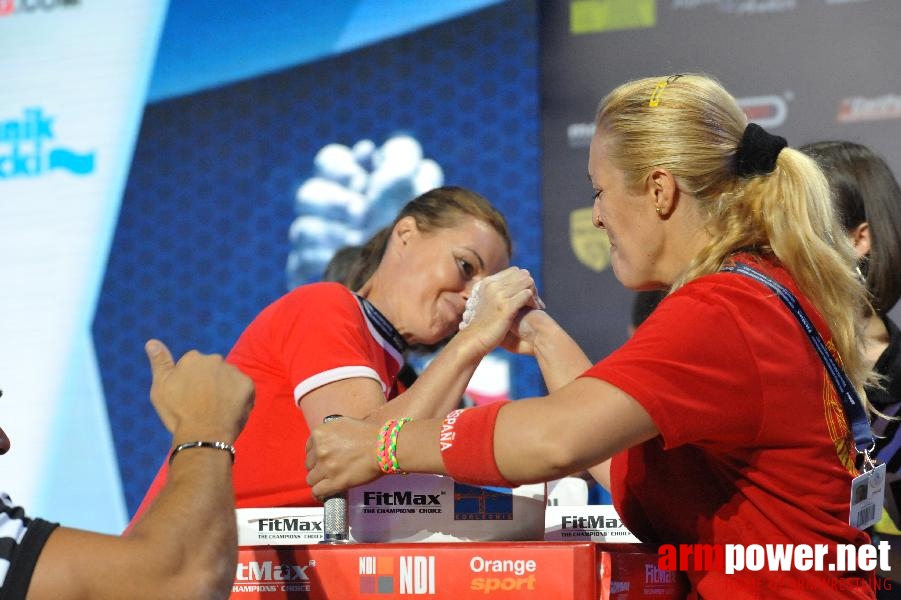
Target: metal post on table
334	520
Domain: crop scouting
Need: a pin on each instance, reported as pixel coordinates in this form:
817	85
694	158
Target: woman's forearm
418	449
521	458
537	439
435	392
559	357
439	387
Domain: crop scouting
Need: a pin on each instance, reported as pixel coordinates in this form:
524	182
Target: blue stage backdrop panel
201	241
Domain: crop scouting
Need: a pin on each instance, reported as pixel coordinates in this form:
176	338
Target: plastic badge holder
434	508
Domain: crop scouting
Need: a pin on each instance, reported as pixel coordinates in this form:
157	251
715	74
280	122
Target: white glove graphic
354	192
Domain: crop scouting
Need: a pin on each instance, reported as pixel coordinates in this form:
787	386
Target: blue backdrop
201	241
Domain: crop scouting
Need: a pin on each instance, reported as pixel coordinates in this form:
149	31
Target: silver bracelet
217	445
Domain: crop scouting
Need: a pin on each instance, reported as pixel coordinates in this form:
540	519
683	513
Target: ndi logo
27	148
416	575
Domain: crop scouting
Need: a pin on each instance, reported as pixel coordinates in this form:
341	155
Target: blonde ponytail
691	126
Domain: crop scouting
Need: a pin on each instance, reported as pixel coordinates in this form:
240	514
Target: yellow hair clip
658	90
655	95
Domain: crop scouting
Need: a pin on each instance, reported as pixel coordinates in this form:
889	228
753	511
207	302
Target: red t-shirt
754	447
314	335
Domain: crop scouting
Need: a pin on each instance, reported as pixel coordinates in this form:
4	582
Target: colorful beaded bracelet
387	446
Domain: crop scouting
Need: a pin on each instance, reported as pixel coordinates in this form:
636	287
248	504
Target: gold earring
659	211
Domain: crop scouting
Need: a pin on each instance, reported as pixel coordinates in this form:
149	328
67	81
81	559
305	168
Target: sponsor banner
29	148
738	7
630	572
75	73
860	108
279	526
591	523
433	508
463	570
768	111
590	16
9	8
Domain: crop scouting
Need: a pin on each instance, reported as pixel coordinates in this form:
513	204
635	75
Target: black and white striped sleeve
21	542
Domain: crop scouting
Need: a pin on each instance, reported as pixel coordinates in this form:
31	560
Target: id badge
867	497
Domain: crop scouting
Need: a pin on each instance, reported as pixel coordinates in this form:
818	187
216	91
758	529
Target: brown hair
439	208
865	191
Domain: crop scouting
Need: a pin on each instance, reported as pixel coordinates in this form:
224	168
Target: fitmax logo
400	499
267	571
26	148
288	524
590	522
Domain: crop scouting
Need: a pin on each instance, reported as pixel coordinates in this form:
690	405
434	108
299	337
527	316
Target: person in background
340	264
323	349
719	416
868	199
643	304
185	545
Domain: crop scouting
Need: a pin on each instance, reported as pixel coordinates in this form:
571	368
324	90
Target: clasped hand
340	455
496	306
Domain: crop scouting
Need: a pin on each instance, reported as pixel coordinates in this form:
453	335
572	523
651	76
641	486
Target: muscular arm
436	391
580	425
559	357
538	439
439	387
160	557
560	360
185	545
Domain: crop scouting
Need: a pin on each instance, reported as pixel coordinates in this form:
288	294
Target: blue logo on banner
482	504
24	150
80	164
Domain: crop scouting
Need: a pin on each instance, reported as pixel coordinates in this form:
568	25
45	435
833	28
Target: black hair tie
757	151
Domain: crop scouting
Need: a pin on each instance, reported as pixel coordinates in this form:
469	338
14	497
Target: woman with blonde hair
720	414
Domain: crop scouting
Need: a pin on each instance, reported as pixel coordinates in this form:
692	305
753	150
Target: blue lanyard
383	325
854	410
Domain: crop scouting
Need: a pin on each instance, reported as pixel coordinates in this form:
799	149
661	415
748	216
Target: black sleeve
24	559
